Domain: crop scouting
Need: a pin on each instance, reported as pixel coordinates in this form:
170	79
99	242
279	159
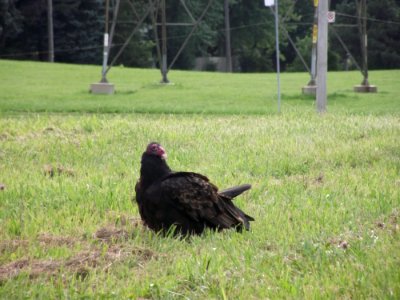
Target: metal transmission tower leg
164	68
106	45
50	30
103	87
228	53
365	87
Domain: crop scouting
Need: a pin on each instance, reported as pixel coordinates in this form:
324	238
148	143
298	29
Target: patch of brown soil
306	181
111	233
51	171
103	255
12	269
123	219
319	179
13	245
394	217
79	264
44	239
341	242
392	222
47	239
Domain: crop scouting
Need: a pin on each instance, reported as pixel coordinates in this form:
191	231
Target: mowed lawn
325	190
43	87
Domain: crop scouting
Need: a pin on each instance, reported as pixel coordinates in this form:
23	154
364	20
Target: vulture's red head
157	150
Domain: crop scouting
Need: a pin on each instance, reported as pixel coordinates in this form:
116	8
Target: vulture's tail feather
235	191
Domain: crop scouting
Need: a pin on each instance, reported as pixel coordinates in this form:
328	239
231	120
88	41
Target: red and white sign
331	17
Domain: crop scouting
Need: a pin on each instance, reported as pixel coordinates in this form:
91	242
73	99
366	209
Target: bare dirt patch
12	245
47	239
51	171
110	234
113	248
79	264
390	223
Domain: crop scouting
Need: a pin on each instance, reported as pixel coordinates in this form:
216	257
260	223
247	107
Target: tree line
79	27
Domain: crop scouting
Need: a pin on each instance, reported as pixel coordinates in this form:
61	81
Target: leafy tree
204	41
23	29
10	21
139	51
253	34
384	35
79	27
383	32
78	30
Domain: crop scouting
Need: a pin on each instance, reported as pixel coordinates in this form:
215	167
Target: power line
259	24
78	49
369	19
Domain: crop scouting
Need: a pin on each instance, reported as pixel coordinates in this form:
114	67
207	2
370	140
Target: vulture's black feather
185	200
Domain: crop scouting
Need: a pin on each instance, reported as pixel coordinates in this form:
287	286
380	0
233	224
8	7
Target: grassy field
325	190
38	87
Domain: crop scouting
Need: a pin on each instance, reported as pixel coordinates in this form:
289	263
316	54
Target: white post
105	47
278	66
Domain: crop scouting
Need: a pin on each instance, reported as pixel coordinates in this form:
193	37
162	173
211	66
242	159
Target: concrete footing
102	88
365	89
309	89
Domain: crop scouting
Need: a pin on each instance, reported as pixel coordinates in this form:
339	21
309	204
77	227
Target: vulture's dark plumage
186	201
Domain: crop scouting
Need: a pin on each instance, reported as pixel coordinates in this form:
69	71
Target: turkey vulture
187	202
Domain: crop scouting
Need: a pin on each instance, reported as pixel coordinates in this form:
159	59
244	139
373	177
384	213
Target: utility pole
228	53
164	68
278	64
322	55
365	87
50	30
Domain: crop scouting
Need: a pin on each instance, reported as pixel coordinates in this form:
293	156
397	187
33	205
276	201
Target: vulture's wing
198	198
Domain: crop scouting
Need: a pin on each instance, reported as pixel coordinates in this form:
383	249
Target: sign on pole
269	2
314	34
331	16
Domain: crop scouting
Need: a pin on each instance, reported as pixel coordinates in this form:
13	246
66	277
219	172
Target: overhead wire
176	37
258	24
369	19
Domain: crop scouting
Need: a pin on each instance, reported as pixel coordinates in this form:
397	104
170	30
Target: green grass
325	190
40	87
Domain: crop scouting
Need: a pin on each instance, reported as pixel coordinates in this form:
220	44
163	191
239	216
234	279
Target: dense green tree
204	41
24	34
383	27
10	21
383	34
139	50
253	34
78	30
79	27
